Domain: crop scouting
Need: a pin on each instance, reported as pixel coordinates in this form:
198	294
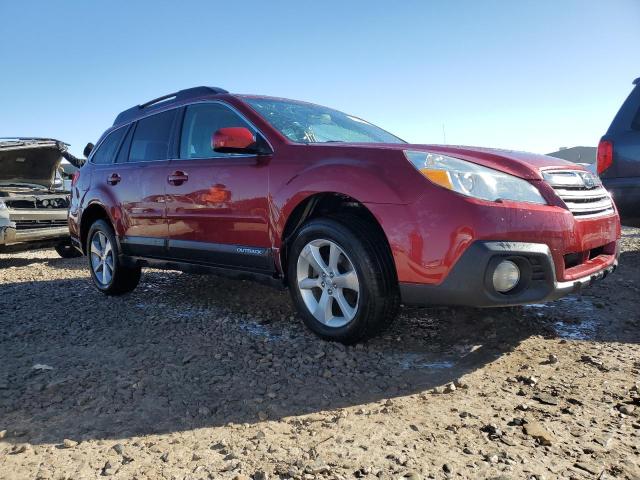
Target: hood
31	161
520	164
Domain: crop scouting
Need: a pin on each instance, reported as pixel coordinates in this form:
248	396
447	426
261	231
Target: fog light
506	276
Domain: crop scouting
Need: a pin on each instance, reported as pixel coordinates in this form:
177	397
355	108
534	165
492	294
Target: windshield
307	123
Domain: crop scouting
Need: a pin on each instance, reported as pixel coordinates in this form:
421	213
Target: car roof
138	111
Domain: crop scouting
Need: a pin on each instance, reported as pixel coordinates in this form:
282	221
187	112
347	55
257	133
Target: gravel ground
201	377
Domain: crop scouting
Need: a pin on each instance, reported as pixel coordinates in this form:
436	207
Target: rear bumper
470	281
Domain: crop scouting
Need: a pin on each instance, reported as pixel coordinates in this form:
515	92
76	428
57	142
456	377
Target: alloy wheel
328	283
102	260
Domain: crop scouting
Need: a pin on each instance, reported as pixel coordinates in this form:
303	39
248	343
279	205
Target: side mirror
87	150
236	140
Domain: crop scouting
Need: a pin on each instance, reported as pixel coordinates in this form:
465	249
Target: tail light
75	178
605	155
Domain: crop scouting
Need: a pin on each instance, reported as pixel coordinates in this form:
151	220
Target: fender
358	179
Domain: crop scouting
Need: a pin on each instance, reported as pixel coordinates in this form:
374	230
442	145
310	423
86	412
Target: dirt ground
196	377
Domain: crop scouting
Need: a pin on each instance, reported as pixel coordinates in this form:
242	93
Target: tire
67	250
360	250
103	253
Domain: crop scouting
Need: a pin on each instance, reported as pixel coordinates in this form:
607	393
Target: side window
151	138
201	121
123	154
108	148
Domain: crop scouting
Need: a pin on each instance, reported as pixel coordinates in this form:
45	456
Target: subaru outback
351	218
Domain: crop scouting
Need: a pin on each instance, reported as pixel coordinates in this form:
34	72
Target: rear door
217	206
138	178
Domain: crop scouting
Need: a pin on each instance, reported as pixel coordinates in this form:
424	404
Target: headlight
473	180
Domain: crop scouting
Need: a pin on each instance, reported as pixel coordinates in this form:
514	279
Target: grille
582	192
31	224
58	202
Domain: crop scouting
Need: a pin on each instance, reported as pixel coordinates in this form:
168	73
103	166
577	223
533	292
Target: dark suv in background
619	158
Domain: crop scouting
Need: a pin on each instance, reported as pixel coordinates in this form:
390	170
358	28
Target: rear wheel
342	282
107	271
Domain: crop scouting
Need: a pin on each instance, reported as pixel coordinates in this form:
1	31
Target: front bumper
470	281
10	236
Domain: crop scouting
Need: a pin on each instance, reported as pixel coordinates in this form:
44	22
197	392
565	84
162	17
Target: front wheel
108	274
342	283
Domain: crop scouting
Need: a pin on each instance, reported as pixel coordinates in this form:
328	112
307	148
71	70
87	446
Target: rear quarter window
151	137
108	148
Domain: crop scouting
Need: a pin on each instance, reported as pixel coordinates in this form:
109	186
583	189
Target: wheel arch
93	212
324	204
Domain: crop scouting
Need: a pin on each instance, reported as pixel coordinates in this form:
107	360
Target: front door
217	206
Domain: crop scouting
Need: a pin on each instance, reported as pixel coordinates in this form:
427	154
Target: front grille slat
33	224
581	192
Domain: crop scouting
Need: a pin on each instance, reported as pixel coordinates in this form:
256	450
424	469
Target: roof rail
134	112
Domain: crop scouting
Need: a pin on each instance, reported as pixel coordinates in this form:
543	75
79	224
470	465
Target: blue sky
528	75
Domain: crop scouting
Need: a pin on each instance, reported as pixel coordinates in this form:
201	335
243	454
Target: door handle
177	178
113	179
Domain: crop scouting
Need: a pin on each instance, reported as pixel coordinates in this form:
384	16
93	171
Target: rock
535	430
411	475
118	448
241	477
592	469
204	411
66	443
492	430
41	367
449	388
528	379
165	457
109	468
20	448
460	383
229	466
261	475
626	409
605	441
507	441
3	433
552	359
546	399
492	457
263	416
446	468
599	364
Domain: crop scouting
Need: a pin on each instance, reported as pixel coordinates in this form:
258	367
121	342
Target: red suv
353	219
